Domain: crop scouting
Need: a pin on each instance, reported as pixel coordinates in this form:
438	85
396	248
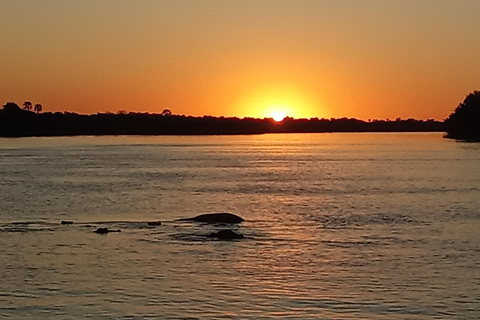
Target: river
337	226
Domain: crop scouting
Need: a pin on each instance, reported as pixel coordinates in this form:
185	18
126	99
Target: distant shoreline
22	123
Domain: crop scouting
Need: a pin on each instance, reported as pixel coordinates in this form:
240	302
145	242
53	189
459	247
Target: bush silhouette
464	122
11	108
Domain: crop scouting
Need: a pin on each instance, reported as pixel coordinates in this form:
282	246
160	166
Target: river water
338	226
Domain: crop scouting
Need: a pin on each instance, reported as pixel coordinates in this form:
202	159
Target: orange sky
360	59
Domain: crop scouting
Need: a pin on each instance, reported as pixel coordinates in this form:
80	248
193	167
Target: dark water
338	226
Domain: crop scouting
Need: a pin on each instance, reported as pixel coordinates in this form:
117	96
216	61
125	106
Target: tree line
17	122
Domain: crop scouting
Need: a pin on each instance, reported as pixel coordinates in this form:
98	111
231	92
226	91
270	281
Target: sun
279	111
277	101
278	116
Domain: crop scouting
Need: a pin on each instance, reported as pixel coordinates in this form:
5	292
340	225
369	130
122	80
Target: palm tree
27	105
38	108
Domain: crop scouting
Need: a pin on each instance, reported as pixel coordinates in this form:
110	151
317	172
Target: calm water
338	226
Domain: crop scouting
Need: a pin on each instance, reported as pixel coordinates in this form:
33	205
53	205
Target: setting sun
277	101
278	116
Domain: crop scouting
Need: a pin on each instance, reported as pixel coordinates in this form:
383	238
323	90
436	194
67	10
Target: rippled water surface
338	226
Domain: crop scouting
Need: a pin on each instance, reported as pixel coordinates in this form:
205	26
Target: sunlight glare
278	102
278	116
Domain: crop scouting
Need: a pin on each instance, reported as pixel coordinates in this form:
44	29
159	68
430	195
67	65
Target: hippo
226	234
216	218
105	230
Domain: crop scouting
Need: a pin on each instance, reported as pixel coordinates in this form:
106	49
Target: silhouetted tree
464	122
166	112
27	105
38	108
11	107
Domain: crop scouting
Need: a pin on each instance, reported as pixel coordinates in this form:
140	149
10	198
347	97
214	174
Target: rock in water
104	231
226	235
67	222
101	230
154	223
216	218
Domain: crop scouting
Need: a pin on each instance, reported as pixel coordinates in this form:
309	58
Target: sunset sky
361	59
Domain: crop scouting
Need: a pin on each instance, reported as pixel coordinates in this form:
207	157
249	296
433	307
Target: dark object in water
66	222
154	223
105	230
226	234
216	218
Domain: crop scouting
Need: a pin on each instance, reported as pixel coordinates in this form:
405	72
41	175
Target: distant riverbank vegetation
23	122
464	122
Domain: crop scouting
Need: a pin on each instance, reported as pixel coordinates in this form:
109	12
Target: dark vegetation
464	122
18	122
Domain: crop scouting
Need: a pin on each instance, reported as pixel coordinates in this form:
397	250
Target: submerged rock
105	230
226	234
216	218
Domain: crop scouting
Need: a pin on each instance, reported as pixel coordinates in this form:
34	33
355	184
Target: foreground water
338	226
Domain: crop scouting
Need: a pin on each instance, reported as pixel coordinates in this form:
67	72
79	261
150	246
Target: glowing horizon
305	59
